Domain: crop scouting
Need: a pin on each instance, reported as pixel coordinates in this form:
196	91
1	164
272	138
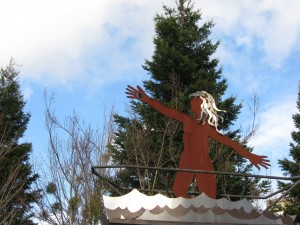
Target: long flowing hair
209	109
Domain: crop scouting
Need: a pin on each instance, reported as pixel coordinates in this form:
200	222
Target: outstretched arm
256	160
139	94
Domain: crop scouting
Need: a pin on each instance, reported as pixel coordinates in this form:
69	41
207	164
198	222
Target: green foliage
275	208
15	170
291	167
73	204
182	64
56	206
93	210
51	188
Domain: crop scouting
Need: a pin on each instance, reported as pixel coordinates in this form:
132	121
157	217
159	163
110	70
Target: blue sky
85	52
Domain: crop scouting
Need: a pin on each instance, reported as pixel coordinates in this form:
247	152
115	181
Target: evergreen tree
291	167
16	176
182	64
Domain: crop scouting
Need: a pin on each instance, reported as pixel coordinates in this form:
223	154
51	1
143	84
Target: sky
85	53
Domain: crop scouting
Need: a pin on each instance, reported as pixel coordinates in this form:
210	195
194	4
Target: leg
182	179
182	183
207	184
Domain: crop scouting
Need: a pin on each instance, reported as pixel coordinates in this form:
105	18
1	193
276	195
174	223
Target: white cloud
59	41
272	26
55	41
27	92
276	125
47	35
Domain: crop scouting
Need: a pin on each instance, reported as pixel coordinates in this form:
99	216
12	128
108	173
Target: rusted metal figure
196	133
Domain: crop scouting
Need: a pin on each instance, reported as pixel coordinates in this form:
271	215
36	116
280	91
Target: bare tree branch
71	194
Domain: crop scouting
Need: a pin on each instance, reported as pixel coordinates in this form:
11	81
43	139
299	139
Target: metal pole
196	171
115	187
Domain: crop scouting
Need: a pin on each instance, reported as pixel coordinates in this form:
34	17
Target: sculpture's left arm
256	160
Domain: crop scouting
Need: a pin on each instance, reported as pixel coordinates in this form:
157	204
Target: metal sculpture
196	133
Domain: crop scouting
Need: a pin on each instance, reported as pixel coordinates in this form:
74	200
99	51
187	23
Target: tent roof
137	208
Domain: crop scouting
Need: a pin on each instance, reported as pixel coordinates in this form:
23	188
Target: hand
258	160
136	93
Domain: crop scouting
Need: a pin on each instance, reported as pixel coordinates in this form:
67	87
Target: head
196	102
204	106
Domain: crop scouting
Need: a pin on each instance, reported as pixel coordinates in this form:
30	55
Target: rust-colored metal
196	133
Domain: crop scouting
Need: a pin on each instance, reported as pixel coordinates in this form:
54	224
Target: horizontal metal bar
115	186
196	171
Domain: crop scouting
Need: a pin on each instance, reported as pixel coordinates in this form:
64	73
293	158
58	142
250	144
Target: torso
195	137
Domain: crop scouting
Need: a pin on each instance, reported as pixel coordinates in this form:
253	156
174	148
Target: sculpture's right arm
139	94
256	160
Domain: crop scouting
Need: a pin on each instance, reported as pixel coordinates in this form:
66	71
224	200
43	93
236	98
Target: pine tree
16	194
291	167
182	64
